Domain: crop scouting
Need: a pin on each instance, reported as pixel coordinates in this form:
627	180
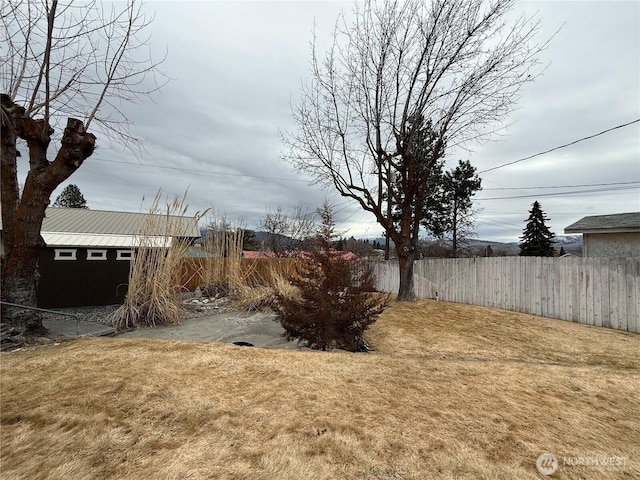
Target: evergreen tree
71	197
336	300
249	241
447	210
537	239
452	211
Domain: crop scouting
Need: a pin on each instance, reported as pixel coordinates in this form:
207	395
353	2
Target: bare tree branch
66	66
452	68
95	59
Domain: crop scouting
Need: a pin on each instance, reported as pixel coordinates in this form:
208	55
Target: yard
449	391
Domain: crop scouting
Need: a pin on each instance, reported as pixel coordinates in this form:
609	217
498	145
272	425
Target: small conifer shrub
335	300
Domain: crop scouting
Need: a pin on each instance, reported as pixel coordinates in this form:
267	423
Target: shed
616	235
87	255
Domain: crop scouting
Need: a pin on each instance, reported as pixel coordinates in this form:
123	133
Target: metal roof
616	223
85	228
81	220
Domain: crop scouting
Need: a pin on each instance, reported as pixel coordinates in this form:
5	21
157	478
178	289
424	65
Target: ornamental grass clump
223	274
153	296
221	271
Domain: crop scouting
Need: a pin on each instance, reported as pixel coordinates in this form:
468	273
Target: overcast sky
236	67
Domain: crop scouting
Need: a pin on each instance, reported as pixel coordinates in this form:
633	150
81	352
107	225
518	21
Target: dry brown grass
420	406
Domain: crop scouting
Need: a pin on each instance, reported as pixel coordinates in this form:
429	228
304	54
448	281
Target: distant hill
570	243
476	247
265	236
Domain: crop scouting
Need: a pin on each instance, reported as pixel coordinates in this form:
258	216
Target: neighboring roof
616	223
80	227
258	254
297	254
194	252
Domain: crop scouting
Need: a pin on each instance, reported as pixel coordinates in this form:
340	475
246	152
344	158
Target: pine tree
537	239
459	185
71	197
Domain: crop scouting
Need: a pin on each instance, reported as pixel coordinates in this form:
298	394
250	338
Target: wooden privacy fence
196	272
594	291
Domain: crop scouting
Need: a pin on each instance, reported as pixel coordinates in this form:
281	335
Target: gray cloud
237	65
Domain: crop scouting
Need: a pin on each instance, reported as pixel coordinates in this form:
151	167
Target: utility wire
563	186
596	190
210	172
204	171
559	147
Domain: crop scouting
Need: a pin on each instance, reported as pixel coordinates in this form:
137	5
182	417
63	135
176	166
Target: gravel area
97	314
195	307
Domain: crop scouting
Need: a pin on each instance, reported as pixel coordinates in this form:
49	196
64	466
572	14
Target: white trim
101	254
65	254
73	240
124	254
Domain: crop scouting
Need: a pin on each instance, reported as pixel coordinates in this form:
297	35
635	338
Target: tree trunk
22	217
9	193
454	224
20	270
21	291
406	257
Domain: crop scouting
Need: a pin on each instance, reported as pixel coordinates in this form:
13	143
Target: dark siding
81	282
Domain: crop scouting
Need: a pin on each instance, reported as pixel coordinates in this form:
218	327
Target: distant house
615	235
258	254
296	254
87	255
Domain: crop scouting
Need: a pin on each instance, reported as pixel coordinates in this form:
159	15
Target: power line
495	224
210	172
563	186
596	190
559	147
204	171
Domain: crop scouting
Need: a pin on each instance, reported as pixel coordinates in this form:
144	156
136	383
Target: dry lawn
450	391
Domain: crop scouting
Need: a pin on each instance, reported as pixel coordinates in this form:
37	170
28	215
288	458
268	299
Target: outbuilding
87	256
616	235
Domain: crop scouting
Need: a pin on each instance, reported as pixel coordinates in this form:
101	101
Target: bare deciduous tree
400	82
287	232
64	68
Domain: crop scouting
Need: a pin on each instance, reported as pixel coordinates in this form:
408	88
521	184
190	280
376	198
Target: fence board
583	280
575	276
634	323
593	291
621	297
630	289
597	297
613	294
